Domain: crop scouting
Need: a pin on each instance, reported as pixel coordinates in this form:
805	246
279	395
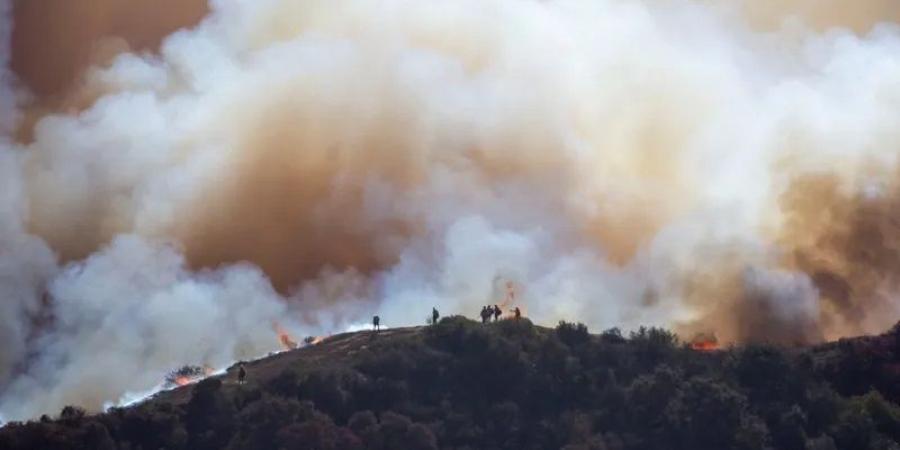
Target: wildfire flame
189	374
508	304
705	343
286	340
510	294
313	340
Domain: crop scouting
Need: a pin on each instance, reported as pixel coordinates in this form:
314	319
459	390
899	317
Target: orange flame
508	304
705	346
286	340
705	343
189	374
313	340
510	293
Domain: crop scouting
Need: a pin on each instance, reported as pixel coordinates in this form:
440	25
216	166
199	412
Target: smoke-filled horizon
713	167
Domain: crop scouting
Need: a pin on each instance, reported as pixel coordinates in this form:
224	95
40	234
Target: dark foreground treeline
512	385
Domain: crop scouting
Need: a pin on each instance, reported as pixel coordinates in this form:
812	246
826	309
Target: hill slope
512	385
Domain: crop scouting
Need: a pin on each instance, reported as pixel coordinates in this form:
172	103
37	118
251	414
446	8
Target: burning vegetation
313	340
187	375
509	293
287	341
704	342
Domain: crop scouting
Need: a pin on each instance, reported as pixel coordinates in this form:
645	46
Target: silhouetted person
242	374
518	313
497	313
435	315
376	323
485	313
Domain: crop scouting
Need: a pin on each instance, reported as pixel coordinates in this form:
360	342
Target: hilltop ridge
514	385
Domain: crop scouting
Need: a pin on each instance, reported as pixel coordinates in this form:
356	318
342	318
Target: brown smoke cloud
840	238
859	16
55	41
286	193
316	163
846	239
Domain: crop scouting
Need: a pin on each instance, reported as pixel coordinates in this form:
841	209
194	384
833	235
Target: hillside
513	385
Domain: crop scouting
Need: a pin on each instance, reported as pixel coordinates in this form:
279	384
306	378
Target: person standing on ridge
497	313
376	323
518	313
435	315
242	374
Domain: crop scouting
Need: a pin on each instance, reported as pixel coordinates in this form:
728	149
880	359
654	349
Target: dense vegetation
512	385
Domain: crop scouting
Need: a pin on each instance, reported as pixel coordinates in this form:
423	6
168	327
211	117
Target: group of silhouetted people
487	313
490	311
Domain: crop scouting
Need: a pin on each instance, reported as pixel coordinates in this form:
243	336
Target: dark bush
612	336
885	415
706	414
286	383
763	370
71	414
652	346
326	391
572	334
789	432
209	418
648	397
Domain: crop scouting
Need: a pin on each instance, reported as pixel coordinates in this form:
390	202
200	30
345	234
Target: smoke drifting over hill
715	167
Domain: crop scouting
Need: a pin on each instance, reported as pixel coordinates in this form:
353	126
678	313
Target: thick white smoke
620	162
136	306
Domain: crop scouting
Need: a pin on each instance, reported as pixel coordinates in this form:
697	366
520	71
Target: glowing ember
286	340
705	346
182	381
705	343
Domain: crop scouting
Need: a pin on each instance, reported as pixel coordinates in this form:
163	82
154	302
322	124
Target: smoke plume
8	95
715	167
